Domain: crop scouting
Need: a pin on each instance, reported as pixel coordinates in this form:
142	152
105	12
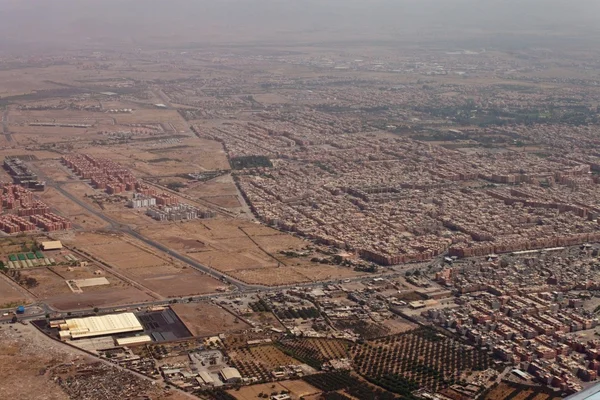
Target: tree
31	282
96	310
14	319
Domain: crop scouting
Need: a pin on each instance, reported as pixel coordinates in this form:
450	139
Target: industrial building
204	378
52	245
87	327
231	375
133	340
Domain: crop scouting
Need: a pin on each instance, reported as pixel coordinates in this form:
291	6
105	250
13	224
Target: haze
181	22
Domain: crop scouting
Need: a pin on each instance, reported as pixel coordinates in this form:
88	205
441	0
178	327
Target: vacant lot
153	270
23	363
102	296
159	158
10	294
297	389
53	169
38	135
48	284
51	287
220	191
206	319
244	250
78	215
398	325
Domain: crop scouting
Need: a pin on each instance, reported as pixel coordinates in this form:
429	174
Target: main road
116	226
241	287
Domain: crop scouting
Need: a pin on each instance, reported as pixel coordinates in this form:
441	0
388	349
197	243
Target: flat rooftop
101	325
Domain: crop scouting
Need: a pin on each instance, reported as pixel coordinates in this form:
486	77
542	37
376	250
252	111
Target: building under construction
178	213
22	175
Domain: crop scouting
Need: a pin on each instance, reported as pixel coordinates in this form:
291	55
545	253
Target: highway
39	310
116	226
239	285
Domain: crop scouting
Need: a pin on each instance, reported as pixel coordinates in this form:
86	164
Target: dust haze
39	23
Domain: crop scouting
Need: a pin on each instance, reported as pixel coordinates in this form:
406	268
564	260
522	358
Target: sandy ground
297	389
146	158
105	298
244	250
205	319
65	207
29	360
220	191
153	270
25	359
11	293
53	169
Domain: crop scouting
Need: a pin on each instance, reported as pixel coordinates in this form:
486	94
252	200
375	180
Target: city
317	220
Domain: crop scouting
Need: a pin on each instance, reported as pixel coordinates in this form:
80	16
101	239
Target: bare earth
205	319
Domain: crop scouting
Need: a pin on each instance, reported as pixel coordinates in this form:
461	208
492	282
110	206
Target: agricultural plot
335	396
289	313
259	361
333	383
11	247
217	394
422	358
512	391
315	351
297	389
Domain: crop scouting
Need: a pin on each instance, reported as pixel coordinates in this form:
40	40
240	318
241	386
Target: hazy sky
286	21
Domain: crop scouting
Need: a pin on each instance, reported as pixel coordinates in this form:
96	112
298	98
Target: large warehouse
78	328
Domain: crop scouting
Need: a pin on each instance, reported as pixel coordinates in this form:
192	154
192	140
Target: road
74	350
5	130
240	287
116	226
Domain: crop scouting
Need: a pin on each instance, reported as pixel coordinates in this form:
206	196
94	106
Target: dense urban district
259	223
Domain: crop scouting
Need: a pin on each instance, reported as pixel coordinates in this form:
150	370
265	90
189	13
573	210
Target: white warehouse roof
55	245
133	340
102	325
230	373
206	378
